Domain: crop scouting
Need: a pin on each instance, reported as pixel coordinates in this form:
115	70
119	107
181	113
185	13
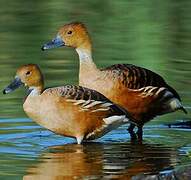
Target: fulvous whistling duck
142	92
69	110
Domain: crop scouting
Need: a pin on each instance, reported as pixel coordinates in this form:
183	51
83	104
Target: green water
152	34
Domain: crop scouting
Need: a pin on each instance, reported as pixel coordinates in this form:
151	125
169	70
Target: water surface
31	152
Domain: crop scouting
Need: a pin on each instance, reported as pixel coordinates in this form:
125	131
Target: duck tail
175	104
184	110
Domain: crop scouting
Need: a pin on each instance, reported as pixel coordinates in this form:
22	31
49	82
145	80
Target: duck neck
87	66
35	90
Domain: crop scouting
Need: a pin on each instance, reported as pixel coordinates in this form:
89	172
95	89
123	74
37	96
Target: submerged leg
140	133
131	132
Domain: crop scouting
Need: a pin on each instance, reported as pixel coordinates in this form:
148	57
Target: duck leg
131	132
140	133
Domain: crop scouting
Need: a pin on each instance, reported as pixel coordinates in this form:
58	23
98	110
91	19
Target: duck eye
28	73
69	32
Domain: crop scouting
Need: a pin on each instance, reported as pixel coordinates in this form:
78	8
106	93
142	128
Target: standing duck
142	92
72	111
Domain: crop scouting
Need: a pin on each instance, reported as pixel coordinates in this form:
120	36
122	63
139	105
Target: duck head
28	75
72	35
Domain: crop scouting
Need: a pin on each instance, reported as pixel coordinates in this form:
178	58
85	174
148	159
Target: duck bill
14	85
55	43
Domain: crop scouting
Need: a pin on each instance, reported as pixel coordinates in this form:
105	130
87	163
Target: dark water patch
183	124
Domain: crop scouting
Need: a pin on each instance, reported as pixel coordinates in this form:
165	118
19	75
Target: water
122	32
32	152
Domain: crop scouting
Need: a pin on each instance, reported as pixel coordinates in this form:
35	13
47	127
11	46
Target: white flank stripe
146	88
101	109
81	110
161	89
93	103
106	105
113	119
86	103
126	120
79	102
71	100
150	91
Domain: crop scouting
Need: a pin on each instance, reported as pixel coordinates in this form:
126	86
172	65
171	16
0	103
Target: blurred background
152	34
155	35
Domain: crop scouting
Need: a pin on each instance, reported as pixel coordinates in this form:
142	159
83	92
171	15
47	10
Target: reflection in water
96	161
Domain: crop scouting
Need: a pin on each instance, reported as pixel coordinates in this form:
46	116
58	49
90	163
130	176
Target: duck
69	110
144	93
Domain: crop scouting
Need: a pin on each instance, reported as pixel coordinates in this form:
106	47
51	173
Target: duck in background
72	111
142	92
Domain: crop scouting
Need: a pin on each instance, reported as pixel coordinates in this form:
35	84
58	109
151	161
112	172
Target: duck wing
134	77
88	100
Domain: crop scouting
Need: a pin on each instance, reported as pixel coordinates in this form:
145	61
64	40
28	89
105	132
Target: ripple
112	156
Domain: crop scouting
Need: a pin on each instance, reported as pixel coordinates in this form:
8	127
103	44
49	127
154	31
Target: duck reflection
100	161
